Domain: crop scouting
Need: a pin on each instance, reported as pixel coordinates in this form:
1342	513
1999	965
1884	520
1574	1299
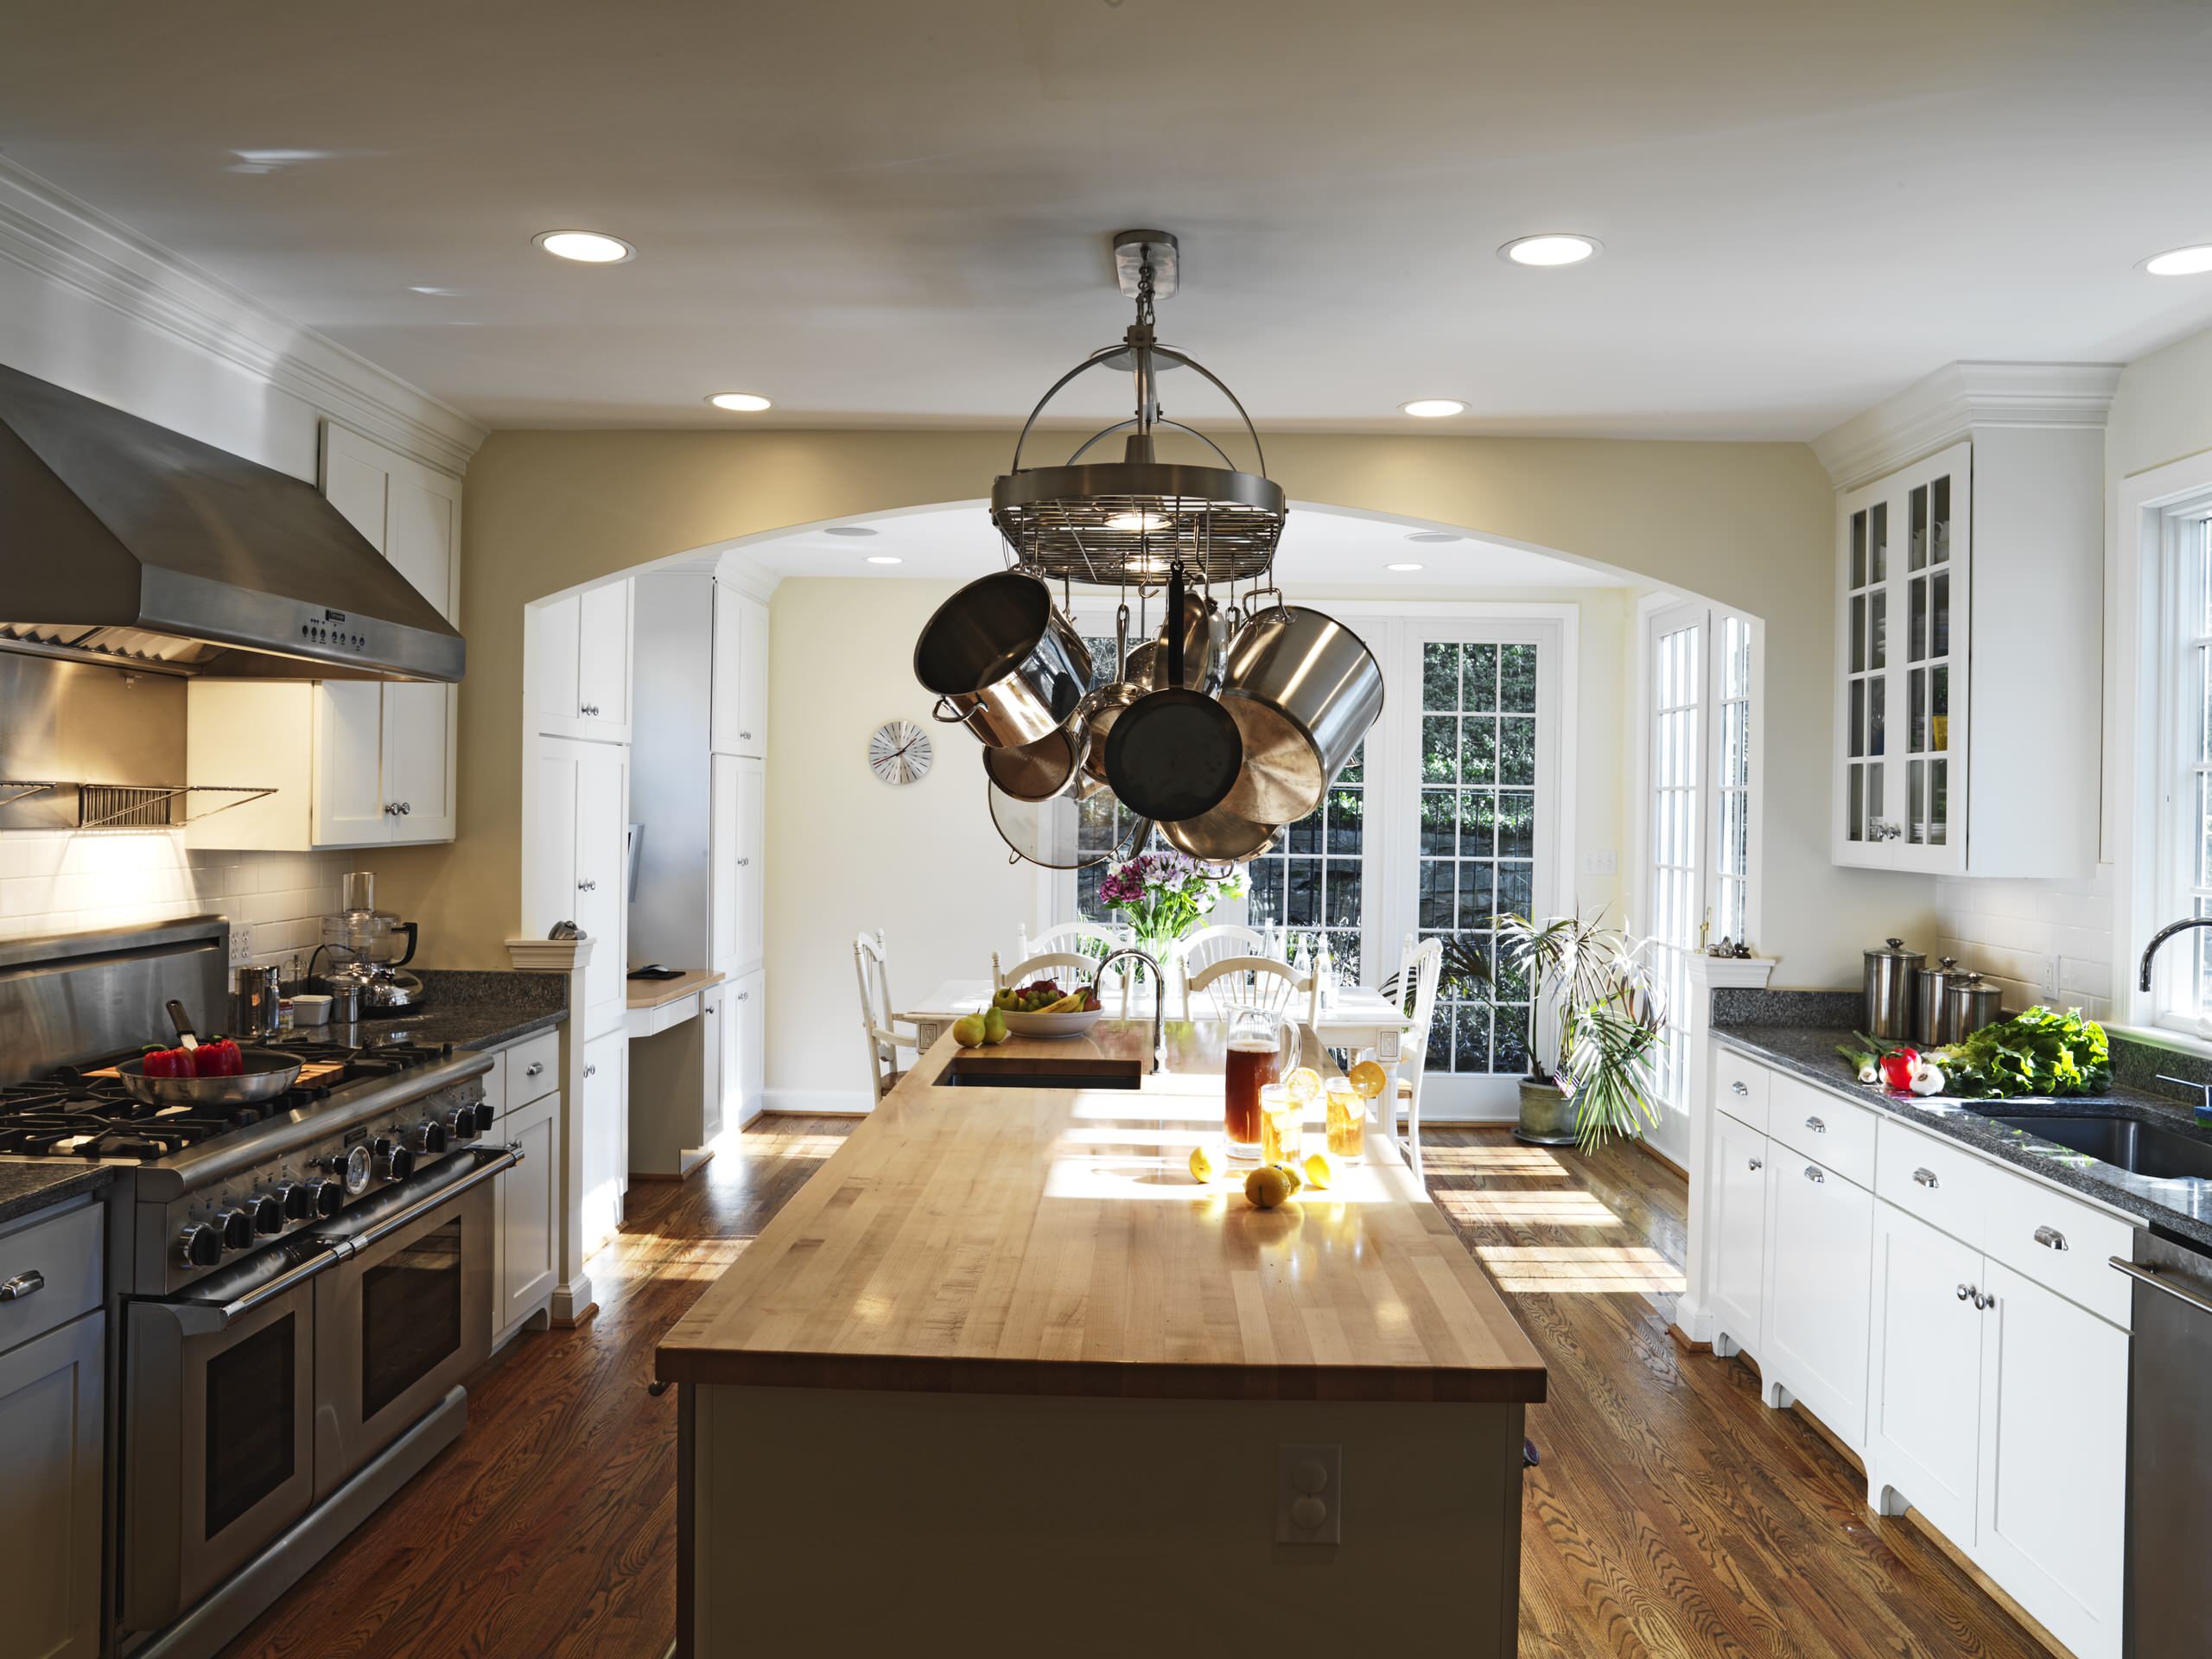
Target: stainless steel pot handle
938	715
2157	1280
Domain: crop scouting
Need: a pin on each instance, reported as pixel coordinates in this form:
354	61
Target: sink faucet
1159	999
2143	978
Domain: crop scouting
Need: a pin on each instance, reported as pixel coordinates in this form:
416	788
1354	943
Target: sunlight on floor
667	1257
1594	1269
1556	1207
1514	1159
814	1147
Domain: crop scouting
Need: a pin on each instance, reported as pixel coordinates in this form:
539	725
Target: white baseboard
815	1102
1469	1120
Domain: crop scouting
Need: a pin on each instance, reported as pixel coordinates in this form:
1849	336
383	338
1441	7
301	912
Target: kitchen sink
955	1078
2140	1149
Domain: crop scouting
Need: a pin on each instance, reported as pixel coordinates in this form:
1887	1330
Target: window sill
2166	1037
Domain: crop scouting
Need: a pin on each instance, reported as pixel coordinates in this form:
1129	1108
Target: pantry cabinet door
752	702
1926	1371
549	844
725	876
603	661
1820	1249
2052	1514
749	1000
1739	1175
555	649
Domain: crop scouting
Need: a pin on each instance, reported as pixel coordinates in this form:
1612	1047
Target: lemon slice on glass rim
1304	1086
1369	1079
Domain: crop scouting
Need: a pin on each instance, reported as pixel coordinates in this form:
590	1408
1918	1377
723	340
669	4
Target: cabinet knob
533	1068
742	862
1924	1178
1756	1164
1740	1087
392	809
741	996
591	710
707	1007
591	1070
1817	1126
2051	1239
745	737
1965	1291
1814	1176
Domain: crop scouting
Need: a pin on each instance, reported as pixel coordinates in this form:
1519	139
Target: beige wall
1747	524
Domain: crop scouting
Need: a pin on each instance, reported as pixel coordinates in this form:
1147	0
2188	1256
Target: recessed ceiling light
848	530
1551	248
744	403
2181	262
1433	409
586	247
885	558
1401	566
1435	536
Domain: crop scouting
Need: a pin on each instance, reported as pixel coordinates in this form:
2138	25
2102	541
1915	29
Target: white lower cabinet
1922	1444
527	1202
745	1056
51	1431
1818	1245
1737	1291
2051	1522
604	1123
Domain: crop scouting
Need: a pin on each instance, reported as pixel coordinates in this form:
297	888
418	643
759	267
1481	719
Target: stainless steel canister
1968	1005
254	1003
1931	1016
1892	976
345	1002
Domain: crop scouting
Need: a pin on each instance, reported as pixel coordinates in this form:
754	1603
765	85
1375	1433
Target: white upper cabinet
361	763
740	725
1968	601
579	664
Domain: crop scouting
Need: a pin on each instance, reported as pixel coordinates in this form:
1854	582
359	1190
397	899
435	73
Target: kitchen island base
835	1520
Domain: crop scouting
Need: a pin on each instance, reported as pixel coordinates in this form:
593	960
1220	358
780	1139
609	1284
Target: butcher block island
1005	1367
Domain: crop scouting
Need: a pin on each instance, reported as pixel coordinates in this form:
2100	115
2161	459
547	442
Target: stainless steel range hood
124	543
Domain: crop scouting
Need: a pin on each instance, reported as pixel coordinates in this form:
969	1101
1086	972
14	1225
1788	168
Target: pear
994	1029
968	1030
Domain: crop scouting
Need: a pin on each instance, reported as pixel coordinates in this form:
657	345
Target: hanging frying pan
1174	754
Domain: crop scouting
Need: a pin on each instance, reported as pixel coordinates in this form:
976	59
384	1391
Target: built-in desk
654	1004
675	1082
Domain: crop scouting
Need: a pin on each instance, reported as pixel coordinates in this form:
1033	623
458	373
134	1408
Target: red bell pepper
158	1063
219	1058
1898	1067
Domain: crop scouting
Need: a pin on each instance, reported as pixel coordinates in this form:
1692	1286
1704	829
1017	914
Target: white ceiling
897	212
1323	552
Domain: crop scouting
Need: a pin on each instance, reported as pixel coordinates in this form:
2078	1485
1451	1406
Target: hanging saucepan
1174	754
1219	837
1202	642
1002	659
1038	771
1302	689
1096	714
1073	830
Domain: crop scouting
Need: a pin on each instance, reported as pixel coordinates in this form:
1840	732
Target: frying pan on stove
268	1073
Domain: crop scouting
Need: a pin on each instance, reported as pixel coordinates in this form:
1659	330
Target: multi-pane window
1309	881
1733	854
1678	901
2195	792
1477	842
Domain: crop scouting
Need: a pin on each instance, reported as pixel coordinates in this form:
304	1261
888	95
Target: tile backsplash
2031	935
73	881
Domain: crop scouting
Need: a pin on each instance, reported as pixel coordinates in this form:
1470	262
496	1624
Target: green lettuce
2037	1052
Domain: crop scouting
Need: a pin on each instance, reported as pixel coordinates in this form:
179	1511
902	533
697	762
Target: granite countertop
2182	1207
28	1186
469	1009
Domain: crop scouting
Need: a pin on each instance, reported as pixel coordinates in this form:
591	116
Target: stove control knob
268	1213
476	1120
430	1137
329	1198
200	1246
236	1229
298	1199
393	1161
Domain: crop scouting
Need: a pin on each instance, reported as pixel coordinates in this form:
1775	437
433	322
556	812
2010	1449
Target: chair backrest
1066	936
1249	983
1209	944
872	969
1054	964
1420	967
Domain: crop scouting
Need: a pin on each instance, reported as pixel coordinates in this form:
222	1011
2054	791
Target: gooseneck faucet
1159	999
2143	976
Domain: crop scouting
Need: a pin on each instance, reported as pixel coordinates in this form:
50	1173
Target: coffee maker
368	950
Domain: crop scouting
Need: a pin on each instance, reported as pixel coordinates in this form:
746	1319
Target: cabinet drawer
55	1263
1740	1086
1829	1130
533	1069
2061	1244
1925	1175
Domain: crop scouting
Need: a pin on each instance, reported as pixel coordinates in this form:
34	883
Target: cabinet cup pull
1817	1126
1814	1176
1740	1087
2050	1238
1924	1178
587	886
533	1068
1755	1165
22	1285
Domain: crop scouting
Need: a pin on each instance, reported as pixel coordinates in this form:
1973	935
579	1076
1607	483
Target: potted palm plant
1596	1081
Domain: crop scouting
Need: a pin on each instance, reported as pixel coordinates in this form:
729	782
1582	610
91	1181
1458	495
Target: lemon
1268	1186
1304	1086
1201	1164
1318	1175
1369	1079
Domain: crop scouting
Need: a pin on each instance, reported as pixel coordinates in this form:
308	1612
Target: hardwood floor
1673	1514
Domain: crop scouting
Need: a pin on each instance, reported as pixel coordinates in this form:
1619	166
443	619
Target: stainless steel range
297	1286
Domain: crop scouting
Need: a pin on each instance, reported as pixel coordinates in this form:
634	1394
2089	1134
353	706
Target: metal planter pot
1303	689
1546	1114
1003	661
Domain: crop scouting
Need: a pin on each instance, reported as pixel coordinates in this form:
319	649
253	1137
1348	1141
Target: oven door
407	1315
218	1428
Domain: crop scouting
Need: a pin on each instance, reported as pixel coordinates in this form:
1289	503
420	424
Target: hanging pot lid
1072	830
1174	754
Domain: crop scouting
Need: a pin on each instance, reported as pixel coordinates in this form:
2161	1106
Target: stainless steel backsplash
73	724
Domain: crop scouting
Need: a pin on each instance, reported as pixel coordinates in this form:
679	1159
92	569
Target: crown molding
71	243
1947	405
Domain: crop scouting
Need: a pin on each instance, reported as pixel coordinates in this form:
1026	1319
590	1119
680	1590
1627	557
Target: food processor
367	948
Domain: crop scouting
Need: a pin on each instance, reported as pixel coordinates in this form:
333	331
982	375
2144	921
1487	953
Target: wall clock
900	752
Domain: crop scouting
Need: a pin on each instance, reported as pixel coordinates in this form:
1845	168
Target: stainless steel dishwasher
2169	1450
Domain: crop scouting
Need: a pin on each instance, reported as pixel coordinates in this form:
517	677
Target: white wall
847	854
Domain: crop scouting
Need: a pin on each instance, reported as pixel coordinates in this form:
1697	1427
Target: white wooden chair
1051	964
1259	982
1421	967
884	1039
1066	936
1207	946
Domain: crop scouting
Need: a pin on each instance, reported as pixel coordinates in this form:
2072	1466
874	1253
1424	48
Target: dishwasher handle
2157	1280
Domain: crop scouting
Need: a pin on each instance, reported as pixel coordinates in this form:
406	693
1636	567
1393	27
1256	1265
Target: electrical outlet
2051	975
1309	1494
241	944
1600	863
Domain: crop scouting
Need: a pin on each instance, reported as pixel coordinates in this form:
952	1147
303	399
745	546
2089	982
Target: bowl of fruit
1044	1008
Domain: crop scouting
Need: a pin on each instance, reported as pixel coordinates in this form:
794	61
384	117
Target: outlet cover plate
1296	1478
241	944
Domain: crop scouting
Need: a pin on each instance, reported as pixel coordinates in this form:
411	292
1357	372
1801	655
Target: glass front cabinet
1904	570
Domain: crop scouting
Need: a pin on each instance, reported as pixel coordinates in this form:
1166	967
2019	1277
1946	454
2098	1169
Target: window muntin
1312	881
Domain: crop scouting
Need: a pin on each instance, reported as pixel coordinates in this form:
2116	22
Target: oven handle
200	1318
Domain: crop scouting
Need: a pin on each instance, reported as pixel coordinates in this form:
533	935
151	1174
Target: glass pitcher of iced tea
1263	1048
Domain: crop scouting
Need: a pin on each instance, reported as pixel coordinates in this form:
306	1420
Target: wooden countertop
1001	1240
654	993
